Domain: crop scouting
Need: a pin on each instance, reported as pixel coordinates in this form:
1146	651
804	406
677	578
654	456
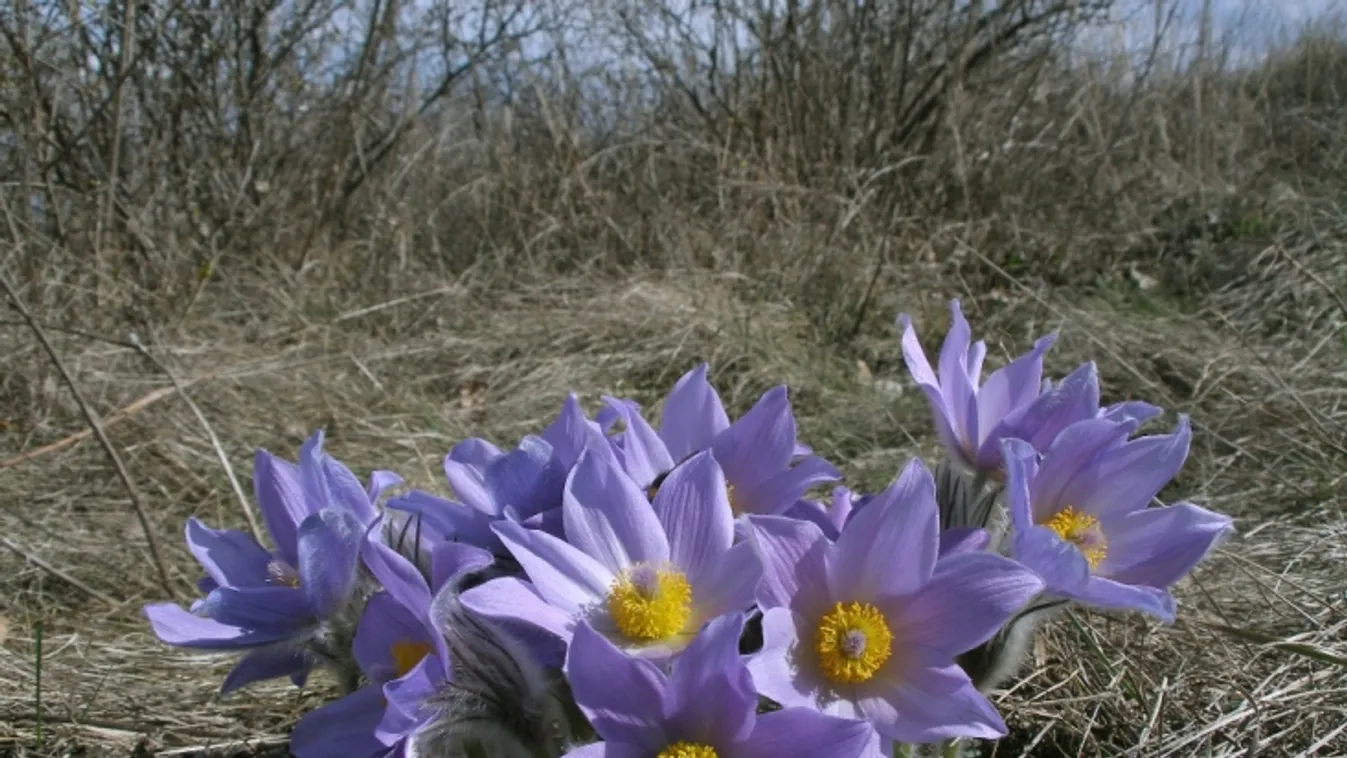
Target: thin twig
210	432
32	558
121	414
91	416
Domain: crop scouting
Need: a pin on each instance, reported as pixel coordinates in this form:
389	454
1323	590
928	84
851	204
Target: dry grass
1188	234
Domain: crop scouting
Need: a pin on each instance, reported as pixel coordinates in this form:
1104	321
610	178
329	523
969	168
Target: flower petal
450	519
890	546
1061	566
265	663
380	481
609	518
342	727
760	443
644	456
397	575
1112	595
408	699
564	576
1124	479
571	434
511	599
1012	386
783	669
969	598
692	415
465	469
1072	453
344	489
622	696
780	492
281	499
329	552
384	623
710	696
805	733
731	585
933	700
174	625
229	556
920	369
694	508
963	539
608	750
1159	546
528	479
792	555
955	383
450	561
1038	422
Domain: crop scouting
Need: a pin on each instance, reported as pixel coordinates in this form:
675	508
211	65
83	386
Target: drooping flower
646	575
280	606
765	466
523	486
1082	518
705	707
868	626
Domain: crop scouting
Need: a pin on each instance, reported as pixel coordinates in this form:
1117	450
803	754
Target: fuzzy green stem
903	751
950	749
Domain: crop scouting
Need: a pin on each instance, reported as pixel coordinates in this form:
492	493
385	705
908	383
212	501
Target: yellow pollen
407	654
1081	530
649	604
853	643
735	507
688	750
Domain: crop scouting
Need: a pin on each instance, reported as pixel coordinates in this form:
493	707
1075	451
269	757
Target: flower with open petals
765	466
706	707
274	604
395	637
1082	518
646	575
868	626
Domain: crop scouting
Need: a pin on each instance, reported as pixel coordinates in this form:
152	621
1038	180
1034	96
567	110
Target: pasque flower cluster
611	588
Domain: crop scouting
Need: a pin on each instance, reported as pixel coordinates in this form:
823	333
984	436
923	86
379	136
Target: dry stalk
91	416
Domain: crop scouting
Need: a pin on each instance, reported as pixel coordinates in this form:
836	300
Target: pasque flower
395	636
867	627
765	466
646	575
971	416
705	707
277	604
523	485
1082	518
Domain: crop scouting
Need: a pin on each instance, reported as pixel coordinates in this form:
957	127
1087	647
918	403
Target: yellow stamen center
648	603
853	642
735	507
1081	530
407	654
688	750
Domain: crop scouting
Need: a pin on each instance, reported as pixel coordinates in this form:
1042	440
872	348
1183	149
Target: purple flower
1082	520
706	706
398	649
523	486
766	468
868	626
972	418
646	575
273	604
